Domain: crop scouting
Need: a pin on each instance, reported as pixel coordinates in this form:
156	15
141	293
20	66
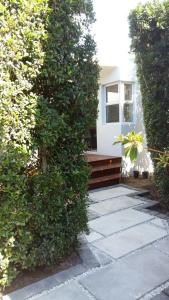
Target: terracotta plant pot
136	174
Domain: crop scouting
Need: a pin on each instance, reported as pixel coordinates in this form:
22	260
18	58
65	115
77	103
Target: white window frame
112	102
123	101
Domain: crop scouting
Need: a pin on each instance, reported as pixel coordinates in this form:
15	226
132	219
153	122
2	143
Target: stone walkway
125	256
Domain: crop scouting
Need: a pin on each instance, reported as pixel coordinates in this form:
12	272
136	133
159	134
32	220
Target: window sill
119	123
127	123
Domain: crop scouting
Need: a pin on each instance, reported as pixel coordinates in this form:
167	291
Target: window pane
112	113
112	93
128	92
128	112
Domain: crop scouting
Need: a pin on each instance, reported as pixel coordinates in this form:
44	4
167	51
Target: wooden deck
97	157
105	170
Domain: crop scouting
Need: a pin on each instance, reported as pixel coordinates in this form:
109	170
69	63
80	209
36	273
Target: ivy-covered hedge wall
149	31
48	99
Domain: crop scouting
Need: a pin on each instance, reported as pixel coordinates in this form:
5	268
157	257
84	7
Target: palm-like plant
163	160
133	144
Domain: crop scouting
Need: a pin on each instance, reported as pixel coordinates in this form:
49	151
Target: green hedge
49	83
149	31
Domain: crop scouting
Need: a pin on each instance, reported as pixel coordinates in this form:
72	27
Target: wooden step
105	170
99	171
100	160
104	181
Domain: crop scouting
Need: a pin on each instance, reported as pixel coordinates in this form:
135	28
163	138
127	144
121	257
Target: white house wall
106	135
109	74
144	161
108	132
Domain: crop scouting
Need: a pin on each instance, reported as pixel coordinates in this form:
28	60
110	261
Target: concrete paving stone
114	204
88	258
161	297
161	222
93	236
82	239
129	240
92	215
163	216
152	212
166	291
118	221
102	257
69	291
46	283
163	245
63	276
32	289
109	193
130	277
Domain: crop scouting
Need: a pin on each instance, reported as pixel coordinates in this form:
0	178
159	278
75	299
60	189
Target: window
128	112
128	103
112	103
127	92
119	104
112	113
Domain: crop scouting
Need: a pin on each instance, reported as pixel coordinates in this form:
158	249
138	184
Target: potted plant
145	174
133	145
136	174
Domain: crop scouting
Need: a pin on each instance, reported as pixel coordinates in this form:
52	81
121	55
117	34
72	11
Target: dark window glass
112	113
128	92
128	112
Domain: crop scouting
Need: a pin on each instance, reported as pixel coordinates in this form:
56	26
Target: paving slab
69	291
129	240
163	245
32	289
88	258
166	291
109	193
93	236
118	221
130	277
45	284
161	297
114	204
102	257
161	222
117	229
92	215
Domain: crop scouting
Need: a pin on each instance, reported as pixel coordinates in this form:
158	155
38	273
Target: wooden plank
105	170
97	157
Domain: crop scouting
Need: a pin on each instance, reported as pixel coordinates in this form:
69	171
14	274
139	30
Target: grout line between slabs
94	270
86	291
115	259
73	279
118	210
130	227
154	292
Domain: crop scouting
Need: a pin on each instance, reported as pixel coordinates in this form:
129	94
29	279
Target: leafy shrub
48	101
149	31
133	144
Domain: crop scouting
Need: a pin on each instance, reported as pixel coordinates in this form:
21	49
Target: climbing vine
149	31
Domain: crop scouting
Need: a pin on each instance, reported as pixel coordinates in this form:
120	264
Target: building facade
119	112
